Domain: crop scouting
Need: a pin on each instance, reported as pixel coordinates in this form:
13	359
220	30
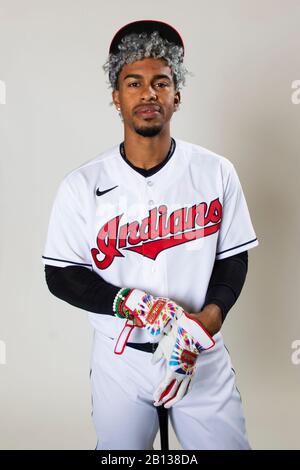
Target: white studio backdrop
241	102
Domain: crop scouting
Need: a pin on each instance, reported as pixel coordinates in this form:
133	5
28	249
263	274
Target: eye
132	84
161	84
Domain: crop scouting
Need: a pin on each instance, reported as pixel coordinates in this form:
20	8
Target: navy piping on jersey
237	246
67	261
154	169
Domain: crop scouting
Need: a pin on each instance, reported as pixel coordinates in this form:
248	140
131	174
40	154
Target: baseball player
151	238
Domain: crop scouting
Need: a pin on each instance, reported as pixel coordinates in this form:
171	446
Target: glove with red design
155	314
180	348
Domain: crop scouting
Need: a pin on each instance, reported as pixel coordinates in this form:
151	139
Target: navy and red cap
165	30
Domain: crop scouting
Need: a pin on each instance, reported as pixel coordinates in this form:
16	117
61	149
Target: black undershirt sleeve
87	290
82	288
226	282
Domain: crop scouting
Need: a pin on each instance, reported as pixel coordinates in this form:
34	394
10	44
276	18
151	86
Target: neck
146	152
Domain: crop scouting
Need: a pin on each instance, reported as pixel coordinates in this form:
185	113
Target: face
146	96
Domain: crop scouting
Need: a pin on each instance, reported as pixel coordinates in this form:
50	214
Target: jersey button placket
150	203
149	186
153	263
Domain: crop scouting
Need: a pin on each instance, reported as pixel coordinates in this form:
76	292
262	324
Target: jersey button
150	183
151	202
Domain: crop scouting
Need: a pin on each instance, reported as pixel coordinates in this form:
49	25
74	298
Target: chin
148	131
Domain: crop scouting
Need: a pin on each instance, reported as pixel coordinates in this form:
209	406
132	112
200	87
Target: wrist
210	318
197	331
119	303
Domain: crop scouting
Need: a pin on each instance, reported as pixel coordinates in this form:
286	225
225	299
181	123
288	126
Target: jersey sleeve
236	232
67	241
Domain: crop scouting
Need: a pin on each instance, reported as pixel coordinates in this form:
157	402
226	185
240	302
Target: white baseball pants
209	417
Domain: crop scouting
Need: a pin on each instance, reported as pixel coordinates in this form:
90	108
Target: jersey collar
154	169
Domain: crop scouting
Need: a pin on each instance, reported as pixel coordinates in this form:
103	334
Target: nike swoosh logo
100	193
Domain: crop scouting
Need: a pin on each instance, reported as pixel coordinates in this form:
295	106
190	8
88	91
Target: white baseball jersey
160	233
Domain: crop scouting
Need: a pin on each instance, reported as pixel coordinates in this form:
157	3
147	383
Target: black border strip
229	249
66	261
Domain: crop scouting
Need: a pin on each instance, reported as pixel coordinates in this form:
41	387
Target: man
151	238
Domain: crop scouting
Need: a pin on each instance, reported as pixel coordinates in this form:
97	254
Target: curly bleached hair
138	46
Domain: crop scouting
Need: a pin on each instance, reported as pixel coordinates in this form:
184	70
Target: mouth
148	111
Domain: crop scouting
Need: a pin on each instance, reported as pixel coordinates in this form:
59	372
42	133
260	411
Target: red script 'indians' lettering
156	232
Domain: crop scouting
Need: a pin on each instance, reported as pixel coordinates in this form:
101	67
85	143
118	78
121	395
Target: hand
181	348
155	314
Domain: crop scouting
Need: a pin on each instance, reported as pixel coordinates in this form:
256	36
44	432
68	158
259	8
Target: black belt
147	347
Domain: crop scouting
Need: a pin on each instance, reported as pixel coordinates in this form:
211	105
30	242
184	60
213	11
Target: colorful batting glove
180	348
155	315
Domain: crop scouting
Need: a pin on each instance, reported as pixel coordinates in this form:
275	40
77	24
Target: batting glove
155	315
180	348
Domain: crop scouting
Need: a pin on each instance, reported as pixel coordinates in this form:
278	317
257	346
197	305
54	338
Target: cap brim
165	30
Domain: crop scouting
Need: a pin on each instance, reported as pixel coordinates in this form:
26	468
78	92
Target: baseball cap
165	30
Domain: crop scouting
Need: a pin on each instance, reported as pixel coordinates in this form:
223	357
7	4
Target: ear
177	99
115	98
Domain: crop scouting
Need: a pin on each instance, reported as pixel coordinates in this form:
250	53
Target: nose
148	93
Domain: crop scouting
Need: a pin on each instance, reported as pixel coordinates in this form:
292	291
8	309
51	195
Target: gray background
244	57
